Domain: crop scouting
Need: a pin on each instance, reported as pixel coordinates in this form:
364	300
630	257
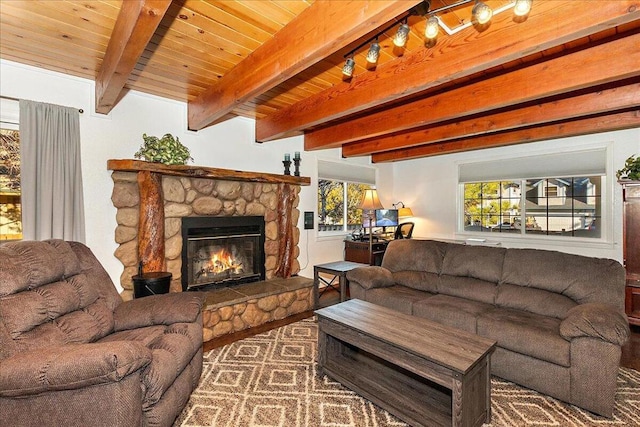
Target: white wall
229	145
430	187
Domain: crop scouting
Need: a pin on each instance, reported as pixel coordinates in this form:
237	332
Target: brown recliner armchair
73	353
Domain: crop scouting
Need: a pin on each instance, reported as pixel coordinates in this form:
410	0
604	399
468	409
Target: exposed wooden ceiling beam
550	24
599	102
320	30
137	22
571	72
581	126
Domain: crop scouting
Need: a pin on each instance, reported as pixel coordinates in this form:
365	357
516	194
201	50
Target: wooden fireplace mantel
129	165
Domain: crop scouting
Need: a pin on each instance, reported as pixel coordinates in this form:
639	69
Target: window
340	190
491	205
338	205
550	206
10	206
560	194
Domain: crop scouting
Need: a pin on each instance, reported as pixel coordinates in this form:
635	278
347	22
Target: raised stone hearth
234	309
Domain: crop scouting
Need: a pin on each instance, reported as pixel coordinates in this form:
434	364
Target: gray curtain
51	176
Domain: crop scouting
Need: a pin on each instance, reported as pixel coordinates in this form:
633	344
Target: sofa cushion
370	277
97	275
548	378
13	271
31	264
172	347
451	311
414	255
172	352
65	256
420	280
468	287
583	279
533	300
479	262
71	307
144	335
399	298
526	333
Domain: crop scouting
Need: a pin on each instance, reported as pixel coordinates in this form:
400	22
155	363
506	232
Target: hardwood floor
630	352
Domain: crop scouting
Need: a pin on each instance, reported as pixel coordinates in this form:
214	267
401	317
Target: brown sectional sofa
72	353
558	318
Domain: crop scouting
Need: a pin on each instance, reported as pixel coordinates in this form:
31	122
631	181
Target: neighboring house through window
565	199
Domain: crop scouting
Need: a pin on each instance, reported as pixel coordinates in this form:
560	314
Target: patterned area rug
270	380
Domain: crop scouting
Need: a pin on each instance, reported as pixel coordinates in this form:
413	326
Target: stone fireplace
152	200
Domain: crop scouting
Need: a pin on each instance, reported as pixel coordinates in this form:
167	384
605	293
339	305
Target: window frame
607	193
524	213
345	215
346	173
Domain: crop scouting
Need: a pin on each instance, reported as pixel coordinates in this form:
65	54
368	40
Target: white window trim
606	239
368	170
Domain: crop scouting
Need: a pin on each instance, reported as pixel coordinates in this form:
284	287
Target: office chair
404	230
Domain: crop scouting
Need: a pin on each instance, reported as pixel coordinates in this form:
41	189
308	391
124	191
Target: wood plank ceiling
567	68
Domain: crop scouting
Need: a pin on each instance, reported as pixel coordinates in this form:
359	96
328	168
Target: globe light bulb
400	38
431	32
482	13
349	65
374	53
522	7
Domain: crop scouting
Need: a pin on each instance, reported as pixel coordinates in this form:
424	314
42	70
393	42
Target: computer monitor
386	218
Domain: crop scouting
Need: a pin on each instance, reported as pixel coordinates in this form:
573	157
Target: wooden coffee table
424	373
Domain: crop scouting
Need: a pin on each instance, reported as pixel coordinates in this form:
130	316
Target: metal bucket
153	283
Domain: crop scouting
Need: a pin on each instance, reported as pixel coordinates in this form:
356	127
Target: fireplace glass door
223	254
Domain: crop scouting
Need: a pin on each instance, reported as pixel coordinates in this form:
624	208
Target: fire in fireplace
222	251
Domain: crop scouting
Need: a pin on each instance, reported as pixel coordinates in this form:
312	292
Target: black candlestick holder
287	166
296	163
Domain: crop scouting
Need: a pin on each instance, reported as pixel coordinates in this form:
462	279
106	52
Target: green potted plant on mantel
167	150
630	171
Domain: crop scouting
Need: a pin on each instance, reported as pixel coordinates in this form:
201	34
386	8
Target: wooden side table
338	270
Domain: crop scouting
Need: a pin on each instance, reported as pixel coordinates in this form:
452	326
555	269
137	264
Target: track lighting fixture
522	7
400	38
481	12
348	67
374	52
431	32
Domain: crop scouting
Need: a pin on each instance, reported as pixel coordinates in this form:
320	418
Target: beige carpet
270	380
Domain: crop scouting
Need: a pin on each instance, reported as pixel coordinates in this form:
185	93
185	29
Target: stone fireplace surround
151	200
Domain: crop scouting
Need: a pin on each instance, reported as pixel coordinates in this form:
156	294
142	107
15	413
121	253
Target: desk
338	270
358	251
